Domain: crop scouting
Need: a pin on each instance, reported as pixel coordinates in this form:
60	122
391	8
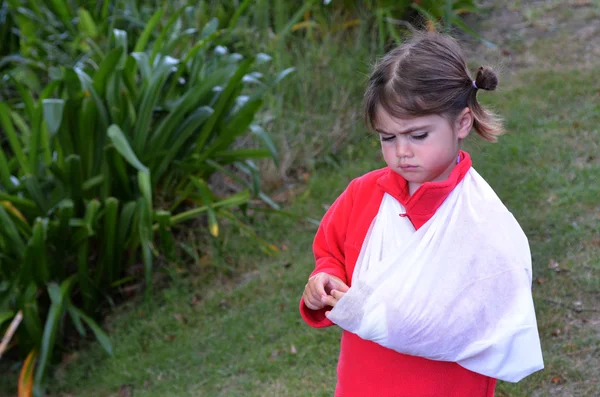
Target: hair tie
475	85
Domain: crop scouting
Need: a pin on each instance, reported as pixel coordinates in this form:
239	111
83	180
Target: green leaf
145	235
86	23
36	249
120	37
142	42
234	200
210	28
111	208
237	126
19	202
231	156
159	43
258	131
100	335
53	114
5	316
76	319
106	69
74	175
58	296
13	139
5	177
220	106
122	145
145	187
10	230
183	135
205	193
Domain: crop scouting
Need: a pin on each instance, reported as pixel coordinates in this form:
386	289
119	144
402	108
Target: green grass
243	336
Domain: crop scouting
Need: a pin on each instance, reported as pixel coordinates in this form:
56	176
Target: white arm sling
458	289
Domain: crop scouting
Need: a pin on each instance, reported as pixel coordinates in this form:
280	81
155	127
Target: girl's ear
464	123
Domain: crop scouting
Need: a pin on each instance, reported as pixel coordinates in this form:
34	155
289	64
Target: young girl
420	263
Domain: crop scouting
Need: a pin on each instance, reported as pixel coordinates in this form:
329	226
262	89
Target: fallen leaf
195	301
126	391
169	338
553	265
274	354
558	380
582	3
293	349
180	318
539	280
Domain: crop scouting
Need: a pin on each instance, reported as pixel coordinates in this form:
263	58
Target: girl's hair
428	75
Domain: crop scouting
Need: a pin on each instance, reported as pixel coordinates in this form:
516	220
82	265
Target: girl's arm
328	248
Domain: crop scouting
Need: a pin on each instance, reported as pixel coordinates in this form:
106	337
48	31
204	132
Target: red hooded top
366	369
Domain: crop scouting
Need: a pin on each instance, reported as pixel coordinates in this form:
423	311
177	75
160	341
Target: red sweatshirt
366	369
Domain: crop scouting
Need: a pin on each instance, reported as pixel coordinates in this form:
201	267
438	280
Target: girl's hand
323	290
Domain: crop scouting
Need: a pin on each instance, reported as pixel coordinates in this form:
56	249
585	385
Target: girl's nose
403	147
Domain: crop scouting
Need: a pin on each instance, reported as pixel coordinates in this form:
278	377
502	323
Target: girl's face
422	149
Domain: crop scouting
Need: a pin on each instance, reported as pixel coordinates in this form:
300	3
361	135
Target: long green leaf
5	172
22	203
34	189
36	249
182	135
74	175
58	295
76	319
86	23
235	127
111	208
158	44
150	27
231	156
106	69
5	316
53	114
100	335
122	145
31	313
220	106
232	201
150	98
202	186
124	232
258	131
13	139
66	210
145	235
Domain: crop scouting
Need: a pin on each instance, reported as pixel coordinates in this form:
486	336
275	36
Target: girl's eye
420	137
385	138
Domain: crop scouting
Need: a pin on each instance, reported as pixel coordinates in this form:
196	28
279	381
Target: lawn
242	336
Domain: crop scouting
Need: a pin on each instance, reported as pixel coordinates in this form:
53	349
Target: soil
543	34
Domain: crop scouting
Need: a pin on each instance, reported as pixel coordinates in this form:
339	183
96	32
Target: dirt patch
545	34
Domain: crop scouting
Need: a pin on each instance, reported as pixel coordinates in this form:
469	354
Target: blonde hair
428	75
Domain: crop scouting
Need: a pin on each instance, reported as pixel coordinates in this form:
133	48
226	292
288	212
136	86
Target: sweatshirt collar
430	195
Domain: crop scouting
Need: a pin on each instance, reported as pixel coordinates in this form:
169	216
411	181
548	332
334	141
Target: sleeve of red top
328	248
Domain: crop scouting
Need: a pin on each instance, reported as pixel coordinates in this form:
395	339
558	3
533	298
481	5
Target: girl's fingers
337	294
336	283
329	300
